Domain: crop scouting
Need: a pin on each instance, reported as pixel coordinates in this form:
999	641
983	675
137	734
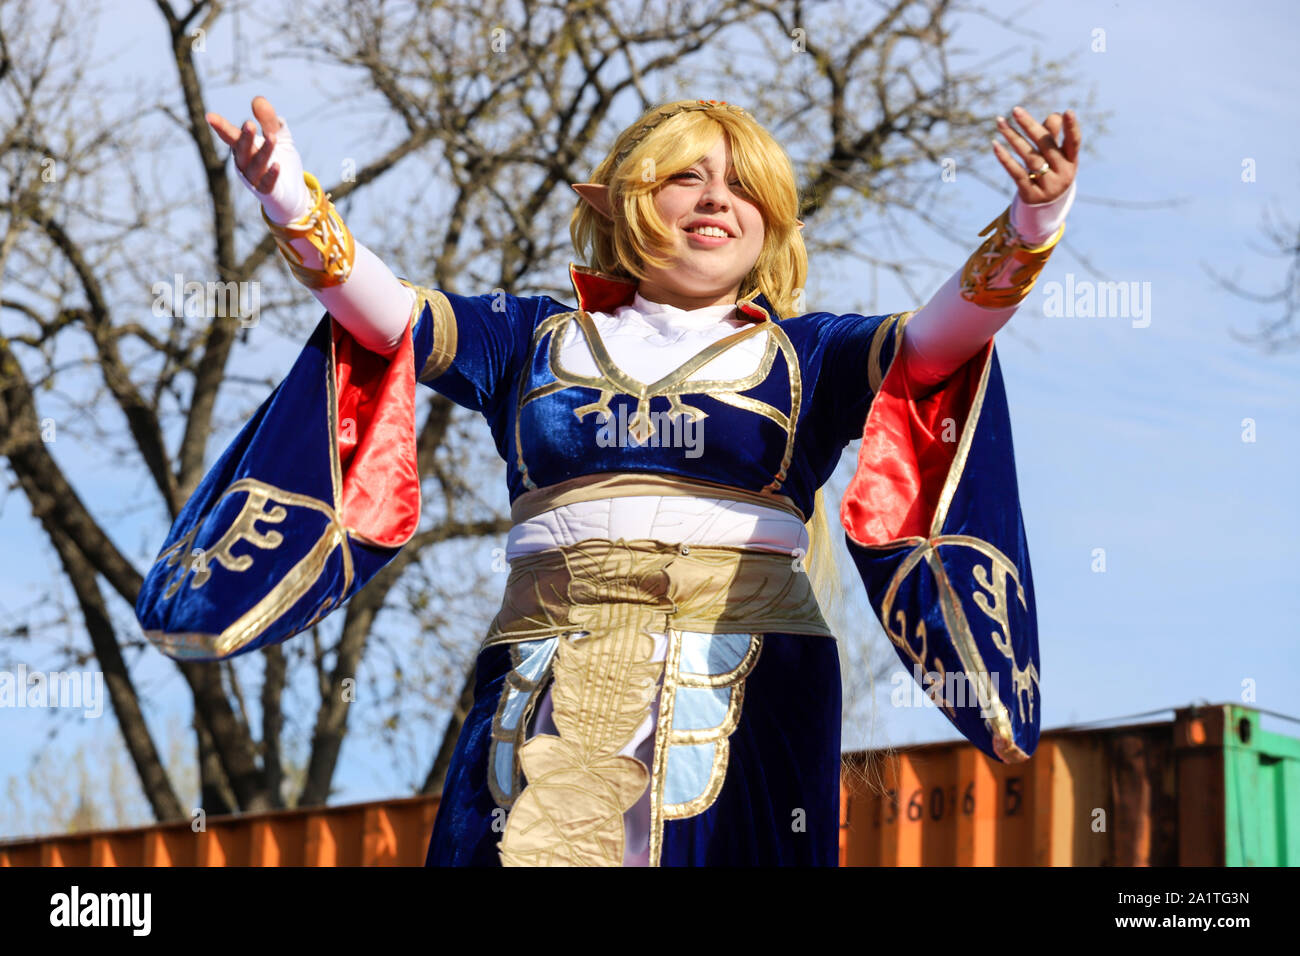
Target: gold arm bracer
1004	269
325	229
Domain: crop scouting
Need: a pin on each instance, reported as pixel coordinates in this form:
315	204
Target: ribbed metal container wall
1206	789
390	833
1209	788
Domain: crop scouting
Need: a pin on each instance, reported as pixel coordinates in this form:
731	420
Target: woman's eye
691	174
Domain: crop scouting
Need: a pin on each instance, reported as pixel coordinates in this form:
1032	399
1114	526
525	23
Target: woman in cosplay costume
659	686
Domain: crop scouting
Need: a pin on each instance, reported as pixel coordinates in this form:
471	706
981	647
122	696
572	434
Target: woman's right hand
269	165
372	304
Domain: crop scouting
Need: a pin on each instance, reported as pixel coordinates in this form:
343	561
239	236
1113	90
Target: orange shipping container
1208	788
386	833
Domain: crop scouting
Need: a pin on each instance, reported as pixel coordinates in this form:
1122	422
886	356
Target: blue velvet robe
932	520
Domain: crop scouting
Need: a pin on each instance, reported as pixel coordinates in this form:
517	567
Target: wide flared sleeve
933	522
321	488
317	492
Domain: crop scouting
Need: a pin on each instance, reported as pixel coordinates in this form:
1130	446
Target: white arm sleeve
948	330
371	303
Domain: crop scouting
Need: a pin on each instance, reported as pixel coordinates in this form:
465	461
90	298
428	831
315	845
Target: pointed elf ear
597	197
798	223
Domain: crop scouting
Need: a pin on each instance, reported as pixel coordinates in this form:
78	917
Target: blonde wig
661	144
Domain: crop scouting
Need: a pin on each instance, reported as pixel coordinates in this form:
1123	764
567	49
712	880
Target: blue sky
1127	439
1130	439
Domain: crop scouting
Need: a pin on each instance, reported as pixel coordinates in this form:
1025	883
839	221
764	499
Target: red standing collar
601	292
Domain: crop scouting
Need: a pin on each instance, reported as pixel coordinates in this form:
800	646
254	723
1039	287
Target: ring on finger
1045	168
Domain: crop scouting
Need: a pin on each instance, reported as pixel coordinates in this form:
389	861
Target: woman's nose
714	196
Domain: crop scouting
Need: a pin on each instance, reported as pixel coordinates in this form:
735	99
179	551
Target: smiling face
708	266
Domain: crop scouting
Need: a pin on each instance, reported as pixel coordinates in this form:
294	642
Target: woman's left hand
1044	145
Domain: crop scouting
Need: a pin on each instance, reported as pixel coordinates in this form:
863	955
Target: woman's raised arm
354	285
950	328
981	296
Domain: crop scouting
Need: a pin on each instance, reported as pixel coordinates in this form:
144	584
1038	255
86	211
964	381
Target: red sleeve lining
904	458
376	415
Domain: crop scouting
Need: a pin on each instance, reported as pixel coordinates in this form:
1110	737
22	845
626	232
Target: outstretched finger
1013	168
1024	149
1073	137
1053	124
1038	134
265	113
228	132
1041	137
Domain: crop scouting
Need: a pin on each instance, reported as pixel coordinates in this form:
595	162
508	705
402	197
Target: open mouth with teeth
712	232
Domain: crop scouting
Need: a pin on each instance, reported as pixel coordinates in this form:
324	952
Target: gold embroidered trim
612	380
445	338
297	581
893	325
993	602
662	728
992	580
579	785
1004	269
516	735
286	592
666	737
332	422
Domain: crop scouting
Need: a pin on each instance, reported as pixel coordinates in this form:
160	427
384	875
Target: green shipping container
1258	800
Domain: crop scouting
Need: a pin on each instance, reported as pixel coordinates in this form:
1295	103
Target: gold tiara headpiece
664	113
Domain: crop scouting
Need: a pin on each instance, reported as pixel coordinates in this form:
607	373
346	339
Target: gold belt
713	589
609	597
